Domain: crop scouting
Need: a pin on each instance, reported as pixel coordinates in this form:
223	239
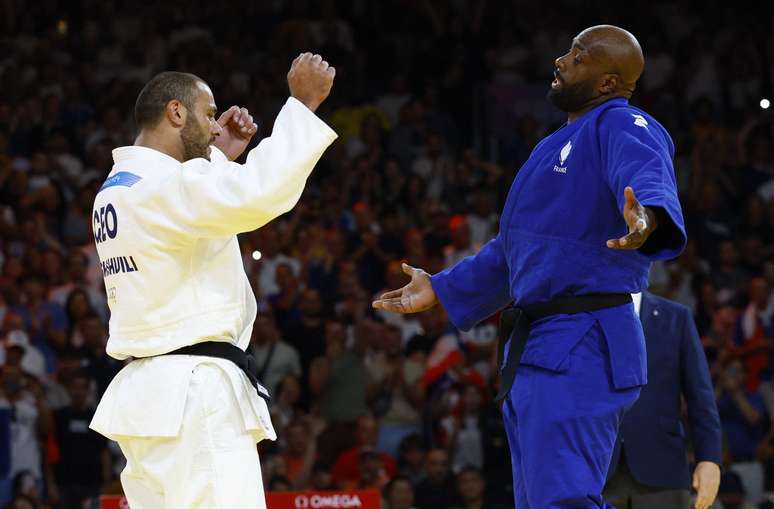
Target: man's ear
609	84
176	113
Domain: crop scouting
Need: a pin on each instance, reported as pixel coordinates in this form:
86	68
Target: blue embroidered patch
122	178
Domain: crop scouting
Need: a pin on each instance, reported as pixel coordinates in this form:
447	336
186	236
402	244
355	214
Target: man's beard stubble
195	142
570	97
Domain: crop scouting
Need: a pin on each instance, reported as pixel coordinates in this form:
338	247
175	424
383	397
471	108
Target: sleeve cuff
217	156
297	106
669	239
459	315
710	458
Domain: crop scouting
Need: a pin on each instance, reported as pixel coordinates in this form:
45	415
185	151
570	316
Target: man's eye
576	60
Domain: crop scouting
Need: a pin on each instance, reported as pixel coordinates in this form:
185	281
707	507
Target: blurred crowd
437	104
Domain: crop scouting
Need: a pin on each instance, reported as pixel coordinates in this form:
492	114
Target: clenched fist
310	79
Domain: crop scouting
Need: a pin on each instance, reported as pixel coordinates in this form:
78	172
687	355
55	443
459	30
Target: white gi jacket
166	237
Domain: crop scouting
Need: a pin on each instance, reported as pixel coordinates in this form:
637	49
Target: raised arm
220	197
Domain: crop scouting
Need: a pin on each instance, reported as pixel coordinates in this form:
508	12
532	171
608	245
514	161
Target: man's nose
559	63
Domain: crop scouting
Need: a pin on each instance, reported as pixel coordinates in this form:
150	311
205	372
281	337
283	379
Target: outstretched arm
638	158
472	290
417	296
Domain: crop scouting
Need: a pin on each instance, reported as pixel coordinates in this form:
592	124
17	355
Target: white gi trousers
212	463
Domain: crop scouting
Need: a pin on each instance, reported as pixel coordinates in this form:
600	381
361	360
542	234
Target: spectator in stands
301	453
84	461
46	321
77	263
482	220
305	327
365	245
26	489
437	490
433	325
30	421
285	299
338	383
322	479
732	493
753	347
720	339
279	484
399	384
19	351
411	458
23	502
463	429
100	367
372	473
348	466
271	247
285	406
461	245
768	477
77	308
398	494
471	490
742	413
730	275
392	101
274	357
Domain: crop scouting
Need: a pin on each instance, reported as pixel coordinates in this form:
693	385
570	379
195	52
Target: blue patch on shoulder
122	178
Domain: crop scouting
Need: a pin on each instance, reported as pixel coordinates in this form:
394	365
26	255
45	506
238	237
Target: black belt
230	352
515	323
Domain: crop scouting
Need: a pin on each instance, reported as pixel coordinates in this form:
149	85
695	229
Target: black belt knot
515	323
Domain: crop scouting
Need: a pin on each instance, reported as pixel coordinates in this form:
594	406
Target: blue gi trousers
562	428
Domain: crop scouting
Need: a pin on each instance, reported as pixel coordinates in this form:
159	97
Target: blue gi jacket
563	205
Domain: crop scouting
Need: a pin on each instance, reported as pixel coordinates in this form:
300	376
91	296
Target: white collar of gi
637	300
122	154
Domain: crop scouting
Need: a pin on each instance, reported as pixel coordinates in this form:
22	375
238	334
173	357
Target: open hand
640	220
418	295
237	129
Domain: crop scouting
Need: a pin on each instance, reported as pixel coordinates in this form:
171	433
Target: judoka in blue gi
574	241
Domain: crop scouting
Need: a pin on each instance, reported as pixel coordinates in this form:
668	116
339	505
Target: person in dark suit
649	467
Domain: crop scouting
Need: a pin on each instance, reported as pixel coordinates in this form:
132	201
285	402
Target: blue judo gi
578	373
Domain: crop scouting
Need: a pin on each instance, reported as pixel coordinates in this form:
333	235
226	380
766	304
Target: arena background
437	103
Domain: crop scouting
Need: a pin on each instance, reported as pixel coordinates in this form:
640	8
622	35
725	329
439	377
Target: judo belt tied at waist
230	352
515	323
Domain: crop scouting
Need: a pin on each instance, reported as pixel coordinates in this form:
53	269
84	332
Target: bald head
603	62
618	50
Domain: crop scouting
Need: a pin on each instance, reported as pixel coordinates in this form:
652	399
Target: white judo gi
166	237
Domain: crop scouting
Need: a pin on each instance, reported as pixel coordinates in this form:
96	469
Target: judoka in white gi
165	224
